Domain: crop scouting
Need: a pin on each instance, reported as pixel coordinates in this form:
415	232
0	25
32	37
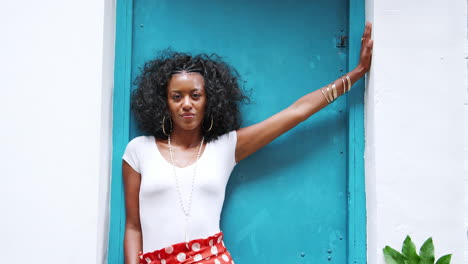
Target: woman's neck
186	139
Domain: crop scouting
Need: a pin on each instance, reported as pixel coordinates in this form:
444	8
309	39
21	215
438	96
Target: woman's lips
188	116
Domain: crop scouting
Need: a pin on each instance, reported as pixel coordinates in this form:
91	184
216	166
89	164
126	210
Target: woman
175	179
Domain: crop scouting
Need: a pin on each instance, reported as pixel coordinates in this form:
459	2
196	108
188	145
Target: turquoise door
291	201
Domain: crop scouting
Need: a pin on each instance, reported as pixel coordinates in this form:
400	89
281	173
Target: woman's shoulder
226	138
141	140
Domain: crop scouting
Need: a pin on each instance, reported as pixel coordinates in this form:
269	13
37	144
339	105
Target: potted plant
408	254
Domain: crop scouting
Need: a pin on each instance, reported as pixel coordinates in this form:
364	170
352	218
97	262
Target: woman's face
186	99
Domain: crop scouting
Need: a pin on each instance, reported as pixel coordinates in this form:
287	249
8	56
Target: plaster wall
466	177
414	109
465	132
56	67
56	72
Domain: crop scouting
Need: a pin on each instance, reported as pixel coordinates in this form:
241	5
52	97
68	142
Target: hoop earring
211	126
163	124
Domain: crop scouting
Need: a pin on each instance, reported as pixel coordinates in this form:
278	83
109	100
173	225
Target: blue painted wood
120	131
287	202
356	180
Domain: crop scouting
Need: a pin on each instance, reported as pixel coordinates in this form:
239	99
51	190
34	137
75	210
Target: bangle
335	93
321	89
329	93
344	84
349	81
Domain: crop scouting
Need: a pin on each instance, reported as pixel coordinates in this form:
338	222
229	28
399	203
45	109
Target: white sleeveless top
161	215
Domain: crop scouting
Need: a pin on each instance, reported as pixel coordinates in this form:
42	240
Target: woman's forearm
313	102
318	99
354	75
132	245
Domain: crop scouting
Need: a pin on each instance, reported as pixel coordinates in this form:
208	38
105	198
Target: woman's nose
186	103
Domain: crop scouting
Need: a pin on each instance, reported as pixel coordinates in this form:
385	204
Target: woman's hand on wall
367	44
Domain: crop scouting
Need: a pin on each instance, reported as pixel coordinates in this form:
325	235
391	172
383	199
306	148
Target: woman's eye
196	95
176	97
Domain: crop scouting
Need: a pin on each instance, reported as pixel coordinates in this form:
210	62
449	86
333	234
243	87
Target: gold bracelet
349	81
344	84
335	93
329	93
321	89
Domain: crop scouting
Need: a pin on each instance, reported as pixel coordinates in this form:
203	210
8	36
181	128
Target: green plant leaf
409	252
427	252
444	259
392	256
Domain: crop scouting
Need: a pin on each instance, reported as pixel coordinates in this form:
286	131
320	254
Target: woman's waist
187	252
157	236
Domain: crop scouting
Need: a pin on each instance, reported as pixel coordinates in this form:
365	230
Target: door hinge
341	41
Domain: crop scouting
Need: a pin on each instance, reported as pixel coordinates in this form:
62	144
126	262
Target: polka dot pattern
196	246
214	250
169	249
210	250
181	257
198	257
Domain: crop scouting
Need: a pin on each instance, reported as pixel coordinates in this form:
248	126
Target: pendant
186	230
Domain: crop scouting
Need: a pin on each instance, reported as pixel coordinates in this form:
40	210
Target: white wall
465	171
415	180
56	72
55	110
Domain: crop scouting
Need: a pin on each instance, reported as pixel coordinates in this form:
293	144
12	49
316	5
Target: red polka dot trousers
210	250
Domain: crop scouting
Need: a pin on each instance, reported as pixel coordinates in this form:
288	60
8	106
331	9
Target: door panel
287	203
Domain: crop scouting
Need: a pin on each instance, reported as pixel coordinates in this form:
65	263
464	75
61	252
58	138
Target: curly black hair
149	99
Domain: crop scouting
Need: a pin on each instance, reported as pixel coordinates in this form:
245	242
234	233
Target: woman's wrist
343	84
357	73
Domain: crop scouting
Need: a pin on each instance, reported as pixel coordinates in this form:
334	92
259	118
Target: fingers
370	45
367	31
366	47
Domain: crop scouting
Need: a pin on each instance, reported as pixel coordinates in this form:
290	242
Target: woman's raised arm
252	138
